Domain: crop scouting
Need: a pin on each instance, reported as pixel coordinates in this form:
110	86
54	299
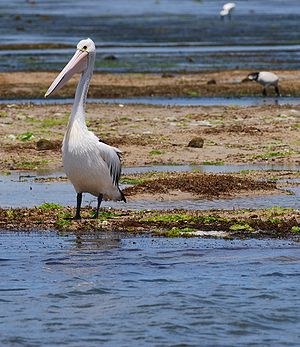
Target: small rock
190	59
212	81
167	75
196	142
44	144
110	57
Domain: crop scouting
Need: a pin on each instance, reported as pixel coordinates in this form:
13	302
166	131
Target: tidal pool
114	290
165	101
20	189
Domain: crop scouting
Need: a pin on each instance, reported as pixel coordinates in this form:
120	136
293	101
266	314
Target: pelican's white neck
78	109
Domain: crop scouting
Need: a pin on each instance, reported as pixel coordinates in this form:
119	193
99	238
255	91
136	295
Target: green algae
50	205
241	227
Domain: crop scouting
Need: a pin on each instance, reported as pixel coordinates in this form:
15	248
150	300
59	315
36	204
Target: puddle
20	190
163	101
208	168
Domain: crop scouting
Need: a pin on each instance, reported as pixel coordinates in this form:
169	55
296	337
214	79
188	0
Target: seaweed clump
199	184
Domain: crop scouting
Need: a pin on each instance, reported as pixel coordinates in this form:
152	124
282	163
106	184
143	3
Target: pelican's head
77	64
87	45
253	76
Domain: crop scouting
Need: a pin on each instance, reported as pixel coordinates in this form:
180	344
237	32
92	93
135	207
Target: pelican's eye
84	47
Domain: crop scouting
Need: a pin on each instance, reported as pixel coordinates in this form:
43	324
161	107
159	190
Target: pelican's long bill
77	64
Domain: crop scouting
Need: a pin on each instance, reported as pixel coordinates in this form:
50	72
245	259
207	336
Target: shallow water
254	39
160	57
113	290
164	101
21	190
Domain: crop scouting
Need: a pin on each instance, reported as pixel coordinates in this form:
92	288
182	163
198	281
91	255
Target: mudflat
154	134
15	85
31	139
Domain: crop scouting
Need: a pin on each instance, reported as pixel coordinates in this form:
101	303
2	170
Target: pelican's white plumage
91	165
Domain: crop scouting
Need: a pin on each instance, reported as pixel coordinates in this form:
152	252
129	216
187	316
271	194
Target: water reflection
97	240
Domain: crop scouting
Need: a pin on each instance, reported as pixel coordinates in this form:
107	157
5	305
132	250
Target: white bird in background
266	79
227	9
91	165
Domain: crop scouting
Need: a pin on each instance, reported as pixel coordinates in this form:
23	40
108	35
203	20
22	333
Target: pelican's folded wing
111	156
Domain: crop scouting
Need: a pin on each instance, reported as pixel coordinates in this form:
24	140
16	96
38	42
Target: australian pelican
91	165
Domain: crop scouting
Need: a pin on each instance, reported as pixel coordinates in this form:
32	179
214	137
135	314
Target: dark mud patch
28	156
131	140
200	185
238	129
32	145
187	89
33	85
30	46
275	222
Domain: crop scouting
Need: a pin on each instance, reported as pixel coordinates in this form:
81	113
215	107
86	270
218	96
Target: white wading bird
91	165
227	9
266	79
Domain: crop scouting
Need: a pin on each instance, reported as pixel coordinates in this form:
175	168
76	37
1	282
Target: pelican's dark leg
100	197
264	92
277	90
79	200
